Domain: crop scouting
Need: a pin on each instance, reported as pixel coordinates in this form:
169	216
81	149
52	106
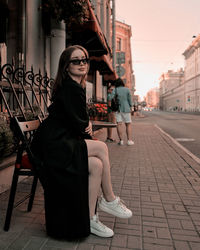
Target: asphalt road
185	128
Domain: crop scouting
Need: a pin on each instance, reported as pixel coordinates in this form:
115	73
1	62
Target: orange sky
161	31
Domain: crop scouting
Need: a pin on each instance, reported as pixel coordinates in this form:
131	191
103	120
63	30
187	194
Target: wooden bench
24	131
102	124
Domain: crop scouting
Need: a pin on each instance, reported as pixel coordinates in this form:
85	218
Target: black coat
60	147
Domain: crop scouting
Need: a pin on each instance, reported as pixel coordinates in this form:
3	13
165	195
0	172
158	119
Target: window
119	44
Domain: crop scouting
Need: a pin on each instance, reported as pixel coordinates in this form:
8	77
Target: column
58	37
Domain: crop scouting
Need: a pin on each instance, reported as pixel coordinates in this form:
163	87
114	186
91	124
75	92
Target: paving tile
148	246
194	246
181	245
158	241
119	240
134	242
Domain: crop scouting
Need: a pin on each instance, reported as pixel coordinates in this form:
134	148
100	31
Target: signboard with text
120	57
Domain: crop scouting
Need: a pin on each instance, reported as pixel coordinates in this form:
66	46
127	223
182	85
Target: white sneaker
121	142
130	142
99	229
116	208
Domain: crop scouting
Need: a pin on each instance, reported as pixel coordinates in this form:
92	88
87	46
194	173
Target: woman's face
78	66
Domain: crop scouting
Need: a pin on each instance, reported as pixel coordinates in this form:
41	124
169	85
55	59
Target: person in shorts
124	113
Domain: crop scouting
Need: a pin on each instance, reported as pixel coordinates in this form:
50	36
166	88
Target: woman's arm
73	100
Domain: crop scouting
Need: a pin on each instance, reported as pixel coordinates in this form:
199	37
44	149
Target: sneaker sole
100	234
109	211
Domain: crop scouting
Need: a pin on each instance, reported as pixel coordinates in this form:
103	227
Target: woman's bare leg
95	175
99	150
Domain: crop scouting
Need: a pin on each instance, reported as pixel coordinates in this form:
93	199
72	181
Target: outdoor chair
24	131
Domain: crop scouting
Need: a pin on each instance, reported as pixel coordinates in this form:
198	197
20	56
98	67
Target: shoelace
99	222
121	203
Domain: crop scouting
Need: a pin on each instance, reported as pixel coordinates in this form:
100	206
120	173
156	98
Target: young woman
73	166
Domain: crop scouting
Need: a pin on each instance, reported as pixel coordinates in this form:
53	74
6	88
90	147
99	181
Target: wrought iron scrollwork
18	75
7	72
35	88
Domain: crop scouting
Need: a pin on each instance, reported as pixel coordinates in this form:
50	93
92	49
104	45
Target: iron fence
24	92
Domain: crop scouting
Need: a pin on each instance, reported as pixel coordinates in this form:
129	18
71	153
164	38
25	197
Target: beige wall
172	90
192	76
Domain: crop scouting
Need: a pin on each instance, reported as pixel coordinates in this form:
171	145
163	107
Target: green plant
6	137
28	112
71	11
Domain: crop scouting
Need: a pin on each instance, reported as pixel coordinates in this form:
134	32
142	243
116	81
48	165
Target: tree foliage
69	11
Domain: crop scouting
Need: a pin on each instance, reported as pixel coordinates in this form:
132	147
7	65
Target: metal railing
24	91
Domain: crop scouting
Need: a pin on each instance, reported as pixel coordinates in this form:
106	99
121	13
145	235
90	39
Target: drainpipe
113	34
58	43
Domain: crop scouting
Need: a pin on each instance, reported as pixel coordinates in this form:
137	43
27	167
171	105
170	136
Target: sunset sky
161	31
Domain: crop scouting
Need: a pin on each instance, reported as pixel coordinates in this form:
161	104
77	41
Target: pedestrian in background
124	113
111	115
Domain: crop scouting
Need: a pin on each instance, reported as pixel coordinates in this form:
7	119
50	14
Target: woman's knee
97	149
95	166
101	148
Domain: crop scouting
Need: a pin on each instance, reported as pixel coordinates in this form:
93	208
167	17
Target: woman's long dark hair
63	65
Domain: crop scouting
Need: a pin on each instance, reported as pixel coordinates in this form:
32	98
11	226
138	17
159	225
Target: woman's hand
89	129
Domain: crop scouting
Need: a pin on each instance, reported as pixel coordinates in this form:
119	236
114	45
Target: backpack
115	102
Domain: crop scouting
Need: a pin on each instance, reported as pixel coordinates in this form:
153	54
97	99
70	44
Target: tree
69	11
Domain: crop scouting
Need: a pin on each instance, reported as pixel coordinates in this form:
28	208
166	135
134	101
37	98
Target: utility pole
113	34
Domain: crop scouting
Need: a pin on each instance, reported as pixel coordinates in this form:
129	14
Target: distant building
171	90
180	91
192	76
152	98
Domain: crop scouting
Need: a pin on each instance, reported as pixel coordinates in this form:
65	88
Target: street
185	128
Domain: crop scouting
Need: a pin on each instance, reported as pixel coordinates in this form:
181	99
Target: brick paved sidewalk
155	178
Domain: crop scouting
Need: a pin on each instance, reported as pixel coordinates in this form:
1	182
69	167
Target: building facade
180	91
31	38
171	90
152	98
192	76
123	55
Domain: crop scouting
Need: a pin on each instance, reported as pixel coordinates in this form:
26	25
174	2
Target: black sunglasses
78	61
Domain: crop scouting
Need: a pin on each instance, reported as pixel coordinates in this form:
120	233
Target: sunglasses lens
78	62
75	62
84	61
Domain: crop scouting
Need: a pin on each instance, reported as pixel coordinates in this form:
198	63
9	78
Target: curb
194	157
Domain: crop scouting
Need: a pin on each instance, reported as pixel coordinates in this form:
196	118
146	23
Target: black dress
60	147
